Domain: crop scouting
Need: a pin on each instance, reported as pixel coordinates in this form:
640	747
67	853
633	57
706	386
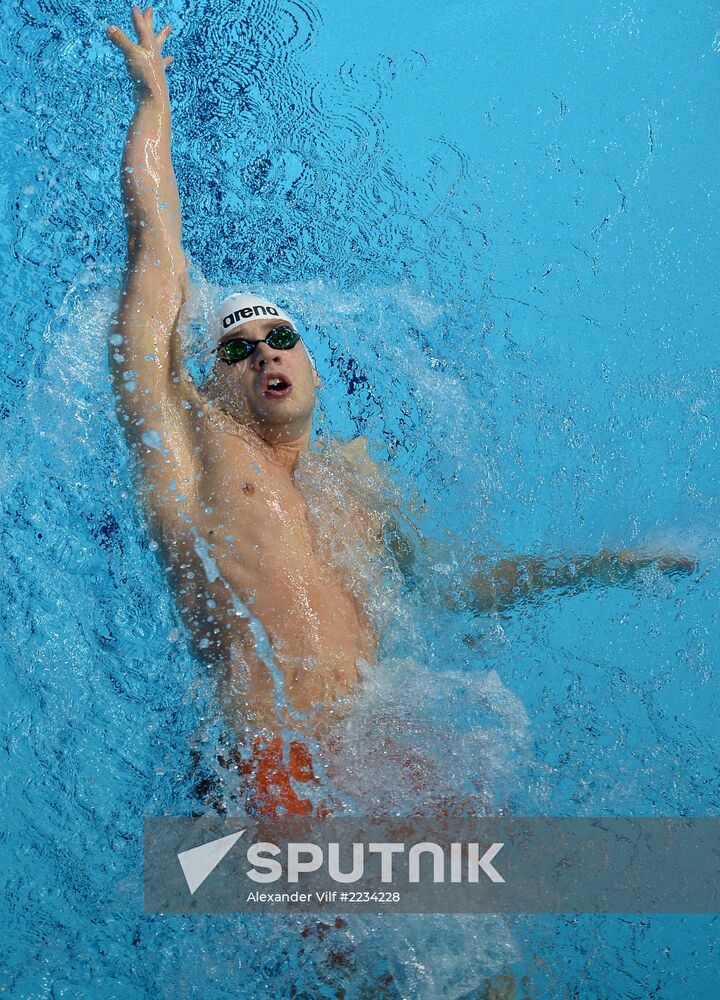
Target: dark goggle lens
283	338
235	350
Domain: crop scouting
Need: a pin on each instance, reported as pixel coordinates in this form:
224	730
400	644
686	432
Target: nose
261	355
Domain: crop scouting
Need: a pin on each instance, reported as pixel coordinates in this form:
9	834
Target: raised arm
508	581
154	398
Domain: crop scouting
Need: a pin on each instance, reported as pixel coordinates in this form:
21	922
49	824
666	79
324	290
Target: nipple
248	489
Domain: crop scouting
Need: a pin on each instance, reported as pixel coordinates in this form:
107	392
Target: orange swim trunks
267	782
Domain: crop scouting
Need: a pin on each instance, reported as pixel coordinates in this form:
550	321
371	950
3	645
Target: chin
285	408
286	415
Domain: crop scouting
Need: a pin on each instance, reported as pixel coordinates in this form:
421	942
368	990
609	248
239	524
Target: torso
250	546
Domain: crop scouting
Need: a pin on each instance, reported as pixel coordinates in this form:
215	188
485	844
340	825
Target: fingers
167	60
677	564
143	22
162	36
141	26
120	39
683	564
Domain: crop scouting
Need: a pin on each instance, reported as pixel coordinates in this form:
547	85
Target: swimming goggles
280	338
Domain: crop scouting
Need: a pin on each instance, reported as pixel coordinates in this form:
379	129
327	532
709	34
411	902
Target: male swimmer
281	624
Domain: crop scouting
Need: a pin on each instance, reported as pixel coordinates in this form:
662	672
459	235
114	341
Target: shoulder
357	456
211	423
355	448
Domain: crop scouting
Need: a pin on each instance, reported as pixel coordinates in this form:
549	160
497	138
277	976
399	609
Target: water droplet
152	439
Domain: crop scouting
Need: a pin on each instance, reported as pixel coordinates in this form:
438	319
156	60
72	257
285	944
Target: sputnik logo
198	862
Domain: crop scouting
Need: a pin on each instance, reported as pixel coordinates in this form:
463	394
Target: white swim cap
240	308
243	307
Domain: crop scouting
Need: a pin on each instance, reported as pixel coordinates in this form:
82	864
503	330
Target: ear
317	381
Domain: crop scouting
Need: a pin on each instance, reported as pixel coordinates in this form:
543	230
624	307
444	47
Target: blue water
498	225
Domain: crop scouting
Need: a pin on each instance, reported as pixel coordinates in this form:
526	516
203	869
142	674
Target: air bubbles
153	440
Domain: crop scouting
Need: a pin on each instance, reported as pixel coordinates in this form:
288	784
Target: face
272	389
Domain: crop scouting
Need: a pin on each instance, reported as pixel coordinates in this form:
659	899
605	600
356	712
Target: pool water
496	224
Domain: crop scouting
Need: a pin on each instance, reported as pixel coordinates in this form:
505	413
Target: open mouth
276	385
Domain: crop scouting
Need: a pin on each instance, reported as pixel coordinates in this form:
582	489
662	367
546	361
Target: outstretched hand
510	580
144	60
668	563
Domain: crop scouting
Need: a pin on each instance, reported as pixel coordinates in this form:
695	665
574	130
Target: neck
285	450
283	444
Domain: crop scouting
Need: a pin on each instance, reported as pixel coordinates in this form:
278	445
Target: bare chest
269	526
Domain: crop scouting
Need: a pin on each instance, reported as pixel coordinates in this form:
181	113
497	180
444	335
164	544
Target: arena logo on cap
247	313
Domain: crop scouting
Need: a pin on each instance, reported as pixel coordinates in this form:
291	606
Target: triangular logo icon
198	862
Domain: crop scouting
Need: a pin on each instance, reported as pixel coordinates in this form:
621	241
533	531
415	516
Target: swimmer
217	476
